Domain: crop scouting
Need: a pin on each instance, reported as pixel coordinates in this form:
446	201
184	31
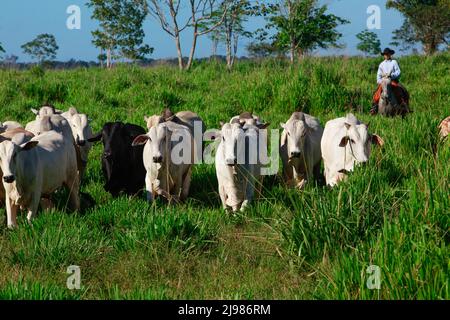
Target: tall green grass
314	244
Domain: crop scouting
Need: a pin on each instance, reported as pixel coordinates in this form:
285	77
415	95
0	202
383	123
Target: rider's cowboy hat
387	51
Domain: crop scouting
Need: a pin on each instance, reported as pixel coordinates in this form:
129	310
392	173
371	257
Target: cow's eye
223	139
352	141
288	134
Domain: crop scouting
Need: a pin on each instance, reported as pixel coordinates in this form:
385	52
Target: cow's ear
146	118
377	140
344	142
264	125
71	112
140	140
221	123
283	125
28	145
96	137
36	112
212	135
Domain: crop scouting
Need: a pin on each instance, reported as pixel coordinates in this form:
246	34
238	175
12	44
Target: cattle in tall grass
122	164
237	162
300	149
346	142
36	168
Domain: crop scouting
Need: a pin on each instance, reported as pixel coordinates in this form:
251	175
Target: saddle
400	92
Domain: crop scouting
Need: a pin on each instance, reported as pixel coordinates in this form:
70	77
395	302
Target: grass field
315	244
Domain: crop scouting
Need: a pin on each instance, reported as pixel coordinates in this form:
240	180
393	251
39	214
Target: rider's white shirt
386	67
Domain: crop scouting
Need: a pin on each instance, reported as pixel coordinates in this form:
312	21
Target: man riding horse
389	69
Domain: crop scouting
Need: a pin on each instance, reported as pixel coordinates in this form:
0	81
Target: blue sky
22	20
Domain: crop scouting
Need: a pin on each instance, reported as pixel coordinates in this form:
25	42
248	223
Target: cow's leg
74	196
316	171
34	205
11	213
250	190
327	175
186	185
176	190
47	204
288	174
223	197
149	188
299	178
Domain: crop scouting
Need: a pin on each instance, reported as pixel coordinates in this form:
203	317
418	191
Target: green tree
262	49
42	48
167	13
302	26
368	42
121	31
232	14
426	22
1	48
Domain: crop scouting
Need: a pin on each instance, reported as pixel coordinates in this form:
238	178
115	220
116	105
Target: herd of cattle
52	152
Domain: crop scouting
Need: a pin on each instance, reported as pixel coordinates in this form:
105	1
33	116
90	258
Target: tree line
293	28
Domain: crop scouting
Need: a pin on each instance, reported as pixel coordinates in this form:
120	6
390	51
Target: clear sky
22	20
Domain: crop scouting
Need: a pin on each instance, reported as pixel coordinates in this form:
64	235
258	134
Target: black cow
122	164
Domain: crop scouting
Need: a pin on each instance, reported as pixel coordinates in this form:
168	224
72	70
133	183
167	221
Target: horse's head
386	86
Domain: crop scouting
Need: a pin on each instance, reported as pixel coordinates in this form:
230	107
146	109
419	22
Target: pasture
314	244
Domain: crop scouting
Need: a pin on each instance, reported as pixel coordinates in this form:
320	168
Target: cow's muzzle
231	162
81	143
157	159
9	179
107	155
295	154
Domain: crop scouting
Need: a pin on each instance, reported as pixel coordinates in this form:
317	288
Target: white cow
346	142
237	161
81	131
300	149
8	135
168	163
36	168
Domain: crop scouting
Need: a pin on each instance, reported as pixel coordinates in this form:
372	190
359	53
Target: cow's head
10	151
296	131
52	122
233	141
47	110
153	121
79	124
357	140
158	139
